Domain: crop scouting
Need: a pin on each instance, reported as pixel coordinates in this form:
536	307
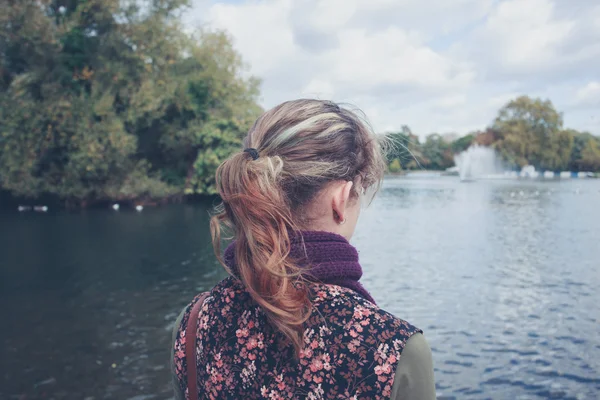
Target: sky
435	65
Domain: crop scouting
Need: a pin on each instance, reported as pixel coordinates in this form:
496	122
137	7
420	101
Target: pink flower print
260	341
353	333
215	376
382	351
308	334
308	353
324	331
359	312
383	369
306	375
326	362
317	393
252	343
316	365
387	391
353	345
241	334
314	344
204	322
387	368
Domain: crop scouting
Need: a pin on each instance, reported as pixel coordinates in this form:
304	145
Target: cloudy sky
435	65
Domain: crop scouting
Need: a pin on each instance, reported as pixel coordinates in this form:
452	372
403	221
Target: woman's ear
340	199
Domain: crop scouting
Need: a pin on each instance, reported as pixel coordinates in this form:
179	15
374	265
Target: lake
502	276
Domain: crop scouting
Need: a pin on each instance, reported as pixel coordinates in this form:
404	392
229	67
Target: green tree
463	143
580	142
112	99
590	156
395	166
530	132
437	153
404	146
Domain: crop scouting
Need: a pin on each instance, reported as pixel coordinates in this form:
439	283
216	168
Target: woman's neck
327	258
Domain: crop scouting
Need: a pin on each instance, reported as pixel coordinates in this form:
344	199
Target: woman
292	320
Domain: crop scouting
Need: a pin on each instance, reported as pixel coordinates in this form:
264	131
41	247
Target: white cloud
261	31
435	65
534	40
527	34
589	95
393	57
452	101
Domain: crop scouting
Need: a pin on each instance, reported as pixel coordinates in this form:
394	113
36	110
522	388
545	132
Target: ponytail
259	213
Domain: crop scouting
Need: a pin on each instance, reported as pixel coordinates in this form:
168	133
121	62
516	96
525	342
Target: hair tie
253	152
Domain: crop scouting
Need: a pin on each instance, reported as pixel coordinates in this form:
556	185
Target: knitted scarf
327	258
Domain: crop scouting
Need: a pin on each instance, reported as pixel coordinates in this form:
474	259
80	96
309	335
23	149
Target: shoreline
8	201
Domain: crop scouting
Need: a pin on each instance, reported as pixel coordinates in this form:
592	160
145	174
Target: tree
590	156
395	166
530	132
437	153
580	141
112	99
463	143
404	146
486	138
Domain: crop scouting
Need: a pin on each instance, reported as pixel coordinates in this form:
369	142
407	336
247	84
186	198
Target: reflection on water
502	277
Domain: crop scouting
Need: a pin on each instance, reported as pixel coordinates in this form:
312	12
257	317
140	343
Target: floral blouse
351	348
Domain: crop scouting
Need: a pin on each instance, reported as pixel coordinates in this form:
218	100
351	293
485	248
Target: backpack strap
190	348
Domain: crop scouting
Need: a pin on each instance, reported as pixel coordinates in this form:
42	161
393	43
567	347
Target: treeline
114	100
526	132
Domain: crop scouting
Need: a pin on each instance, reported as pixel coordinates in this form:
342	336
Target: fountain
478	162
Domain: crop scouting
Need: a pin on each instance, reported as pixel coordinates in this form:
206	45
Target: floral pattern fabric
351	348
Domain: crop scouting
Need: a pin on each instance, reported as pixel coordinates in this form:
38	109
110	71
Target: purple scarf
328	257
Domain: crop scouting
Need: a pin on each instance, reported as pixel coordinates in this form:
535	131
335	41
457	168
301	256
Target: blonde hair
302	146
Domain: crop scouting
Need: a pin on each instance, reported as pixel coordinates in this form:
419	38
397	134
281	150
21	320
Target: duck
24	208
139	207
40	208
116	206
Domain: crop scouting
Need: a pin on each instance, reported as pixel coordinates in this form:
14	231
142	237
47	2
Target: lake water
502	276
